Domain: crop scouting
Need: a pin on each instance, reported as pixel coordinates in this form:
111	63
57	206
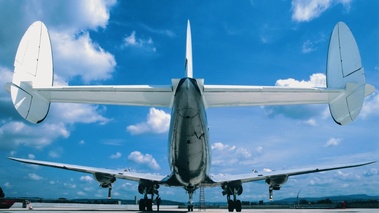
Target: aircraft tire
230	206
238	206
141	205
149	205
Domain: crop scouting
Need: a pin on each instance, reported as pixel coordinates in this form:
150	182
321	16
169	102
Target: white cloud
77	55
77	15
315	80
54	127
333	142
86	178
306	10
34	176
18	133
31	156
370	106
78	113
308	47
7	185
311	122
69	185
307	113
224	154
81	193
143	44
116	156
146	159
157	121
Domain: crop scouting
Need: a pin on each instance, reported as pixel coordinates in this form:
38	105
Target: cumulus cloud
86	178
300	112
157	121
78	113
146	44
146	159
224	154
307	10
17	133
77	55
69	185
333	142
116	155
311	46
370	106
315	80
77	15
33	176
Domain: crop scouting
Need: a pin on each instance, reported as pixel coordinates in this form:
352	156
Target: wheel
141	205
238	206
149	205
230	206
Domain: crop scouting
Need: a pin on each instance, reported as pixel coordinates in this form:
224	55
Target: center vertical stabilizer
188	63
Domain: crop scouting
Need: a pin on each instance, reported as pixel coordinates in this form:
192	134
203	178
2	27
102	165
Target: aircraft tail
345	71
188	62
33	68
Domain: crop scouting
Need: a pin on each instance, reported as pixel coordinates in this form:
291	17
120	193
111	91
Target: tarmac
17	207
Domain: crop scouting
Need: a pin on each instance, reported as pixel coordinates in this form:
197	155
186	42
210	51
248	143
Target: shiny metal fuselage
189	146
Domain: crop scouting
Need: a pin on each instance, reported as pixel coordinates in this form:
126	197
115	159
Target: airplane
32	91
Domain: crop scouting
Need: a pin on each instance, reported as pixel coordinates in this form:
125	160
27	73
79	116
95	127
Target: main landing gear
146	204
233	189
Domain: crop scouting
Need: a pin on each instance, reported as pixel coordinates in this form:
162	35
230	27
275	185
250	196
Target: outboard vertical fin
188	63
345	71
33	68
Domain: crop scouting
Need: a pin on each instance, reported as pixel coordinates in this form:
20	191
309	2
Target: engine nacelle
276	182
105	180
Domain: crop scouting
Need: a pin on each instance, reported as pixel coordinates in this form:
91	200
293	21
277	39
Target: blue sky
234	42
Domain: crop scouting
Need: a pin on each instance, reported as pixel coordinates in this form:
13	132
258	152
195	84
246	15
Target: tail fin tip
188	62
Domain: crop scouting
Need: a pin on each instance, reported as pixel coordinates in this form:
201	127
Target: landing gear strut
190	201
146	204
233	189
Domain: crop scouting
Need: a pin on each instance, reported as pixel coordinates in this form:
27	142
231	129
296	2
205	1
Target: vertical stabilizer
345	71
188	63
33	67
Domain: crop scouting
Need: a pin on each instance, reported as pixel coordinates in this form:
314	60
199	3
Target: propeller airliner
32	91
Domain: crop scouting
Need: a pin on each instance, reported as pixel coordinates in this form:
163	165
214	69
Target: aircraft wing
122	174
281	174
